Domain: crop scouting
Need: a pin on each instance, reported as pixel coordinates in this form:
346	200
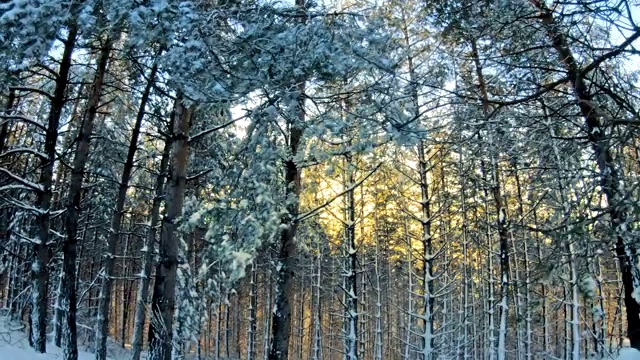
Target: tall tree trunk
378	342
57	310
527	271
164	291
74	196
610	173
427	346
8	110
267	328
603	315
147	257
39	272
126	285
501	211
281	318
281	321
237	321
67	141
227	325
350	266
301	317
408	346
466	278
317	301
251	330
102	327
219	323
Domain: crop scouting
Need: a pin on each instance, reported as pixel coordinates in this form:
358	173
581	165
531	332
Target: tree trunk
281	321
527	272
281	318
466	277
267	338
163	302
427	346
227	325
378	342
612	184
68	141
39	272
102	328
126	286
69	301
408	346
350	266
147	257
317	301
251	331
8	110
501	211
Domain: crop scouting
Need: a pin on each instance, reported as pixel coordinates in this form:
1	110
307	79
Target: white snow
25	353
628	354
15	346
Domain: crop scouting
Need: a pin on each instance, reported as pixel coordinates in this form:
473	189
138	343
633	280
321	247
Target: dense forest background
246	179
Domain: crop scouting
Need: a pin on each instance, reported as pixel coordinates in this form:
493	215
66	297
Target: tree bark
102	327
147	259
69	301
39	271
164	292
612	188
501	211
427	346
251	332
4	132
281	318
281	321
350	266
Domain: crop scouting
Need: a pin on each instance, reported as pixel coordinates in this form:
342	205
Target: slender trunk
378	342
602	334
102	327
281	319
147	257
251	331
569	246
301	317
267	328
163	302
227	325
11	288
219	324
575	303
501	210
351	263
465	270
610	173
126	287
74	196
317	311
8	110
39	271
517	299
427	347
57	313
68	141
410	312
427	342
527	273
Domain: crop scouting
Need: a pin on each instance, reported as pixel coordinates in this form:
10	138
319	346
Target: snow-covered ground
629	354
14	345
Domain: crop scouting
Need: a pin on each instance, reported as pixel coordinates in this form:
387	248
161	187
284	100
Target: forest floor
14	345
